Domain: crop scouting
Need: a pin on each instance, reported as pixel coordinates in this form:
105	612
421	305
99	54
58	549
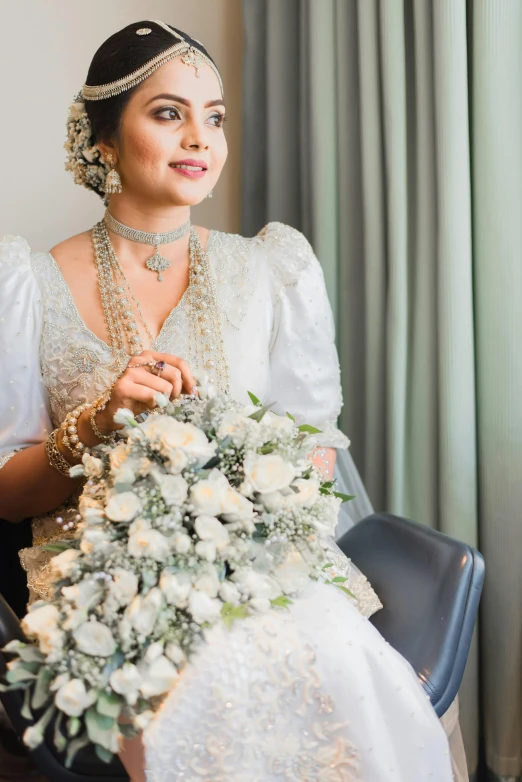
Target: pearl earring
211	194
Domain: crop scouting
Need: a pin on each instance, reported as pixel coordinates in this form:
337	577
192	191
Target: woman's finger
144	378
188	380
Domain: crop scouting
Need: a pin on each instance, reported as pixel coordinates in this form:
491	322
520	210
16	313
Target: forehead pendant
193	57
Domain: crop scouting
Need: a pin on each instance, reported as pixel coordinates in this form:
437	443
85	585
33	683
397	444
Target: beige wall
45	52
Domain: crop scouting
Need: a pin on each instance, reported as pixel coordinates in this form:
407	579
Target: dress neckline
101	341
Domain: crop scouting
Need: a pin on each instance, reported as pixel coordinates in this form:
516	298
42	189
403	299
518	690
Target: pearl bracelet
70	431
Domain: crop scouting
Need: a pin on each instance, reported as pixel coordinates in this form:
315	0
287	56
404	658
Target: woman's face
173	119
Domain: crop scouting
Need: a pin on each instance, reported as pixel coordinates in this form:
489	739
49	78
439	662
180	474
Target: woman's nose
196	137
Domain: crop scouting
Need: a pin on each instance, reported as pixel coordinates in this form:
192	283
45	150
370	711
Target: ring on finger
159	366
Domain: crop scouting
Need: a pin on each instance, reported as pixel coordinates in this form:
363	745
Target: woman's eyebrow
184	101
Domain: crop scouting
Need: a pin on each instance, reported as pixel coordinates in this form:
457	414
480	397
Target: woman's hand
137	389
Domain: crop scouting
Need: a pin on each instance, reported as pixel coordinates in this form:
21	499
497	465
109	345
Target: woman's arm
324	460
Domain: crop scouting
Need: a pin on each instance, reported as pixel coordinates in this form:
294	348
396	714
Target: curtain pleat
391	135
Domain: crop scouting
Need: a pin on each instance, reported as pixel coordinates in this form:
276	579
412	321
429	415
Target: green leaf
266	449
281	602
73	726
104	754
254	399
328	564
259	414
291	417
327	485
55	548
19	674
74	747
230	613
127	730
15	687
25	711
343	497
309	429
109	704
347	591
31	654
339	580
41	692
60	742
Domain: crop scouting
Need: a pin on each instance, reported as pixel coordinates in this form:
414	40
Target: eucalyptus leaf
55	548
73	726
41	692
25	711
19	674
31	654
109	704
104	754
74	747
60	742
99	728
127	730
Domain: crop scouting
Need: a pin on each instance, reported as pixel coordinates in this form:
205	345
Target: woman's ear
108	151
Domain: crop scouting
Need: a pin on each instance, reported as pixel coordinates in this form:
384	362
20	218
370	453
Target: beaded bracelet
54	455
97	407
70	431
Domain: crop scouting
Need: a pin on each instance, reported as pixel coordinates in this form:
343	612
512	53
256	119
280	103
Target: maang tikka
113	181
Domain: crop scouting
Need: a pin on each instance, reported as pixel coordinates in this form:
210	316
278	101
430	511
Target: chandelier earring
113	181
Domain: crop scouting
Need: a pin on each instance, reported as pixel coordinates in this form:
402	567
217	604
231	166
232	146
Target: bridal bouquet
207	512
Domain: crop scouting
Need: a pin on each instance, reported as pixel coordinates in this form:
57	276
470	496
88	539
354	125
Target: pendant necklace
157	262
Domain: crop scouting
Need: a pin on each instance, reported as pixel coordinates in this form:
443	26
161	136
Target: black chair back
430	586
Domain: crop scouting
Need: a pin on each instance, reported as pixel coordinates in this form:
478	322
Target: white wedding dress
313	693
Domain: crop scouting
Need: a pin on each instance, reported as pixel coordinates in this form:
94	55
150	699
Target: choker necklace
157	262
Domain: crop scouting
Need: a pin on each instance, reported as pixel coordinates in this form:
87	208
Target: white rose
178	460
210	528
143	720
208	495
58	682
206	549
139	525
150	543
236	507
64	564
40	619
124	585
208	582
268	472
171	434
181	543
95	639
73	699
237	426
94	539
174	488
175	653
154	651
255	584
308	493
229	592
93	466
143	611
82	593
159	677
272	500
122	466
176	588
204	608
126	681
123	507
74	617
282	424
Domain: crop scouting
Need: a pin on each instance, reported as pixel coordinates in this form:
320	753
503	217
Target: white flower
93	466
33	736
94	540
268	472
149	543
174	488
40	618
82	593
126	681
176	588
124	416
208	582
272	500
210	528
159	677
204	608
143	720
171	434
308	493
58	682
261	604
95	639
281	424
255	584
178	460
229	593
236	507
208	495
64	564
174	653
206	549
237	426
73	699
124	585
123	507
139	525
143	611
181	543
122	465
154	651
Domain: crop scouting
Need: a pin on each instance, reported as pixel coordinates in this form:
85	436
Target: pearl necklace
157	262
207	356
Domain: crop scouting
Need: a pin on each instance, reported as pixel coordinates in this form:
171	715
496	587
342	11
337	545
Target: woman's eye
217	119
168	113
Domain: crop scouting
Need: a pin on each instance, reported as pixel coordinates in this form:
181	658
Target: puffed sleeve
304	366
24	409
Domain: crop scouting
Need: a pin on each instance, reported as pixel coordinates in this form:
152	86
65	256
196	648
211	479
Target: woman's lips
192	169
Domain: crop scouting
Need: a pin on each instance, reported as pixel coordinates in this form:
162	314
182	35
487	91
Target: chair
430	586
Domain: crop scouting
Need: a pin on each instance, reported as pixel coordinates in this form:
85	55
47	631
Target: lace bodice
278	335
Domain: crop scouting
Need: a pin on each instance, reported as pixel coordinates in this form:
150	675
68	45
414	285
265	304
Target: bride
101	322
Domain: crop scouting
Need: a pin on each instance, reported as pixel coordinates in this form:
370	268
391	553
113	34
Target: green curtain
390	132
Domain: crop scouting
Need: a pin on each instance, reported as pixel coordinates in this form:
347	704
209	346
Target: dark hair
122	54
